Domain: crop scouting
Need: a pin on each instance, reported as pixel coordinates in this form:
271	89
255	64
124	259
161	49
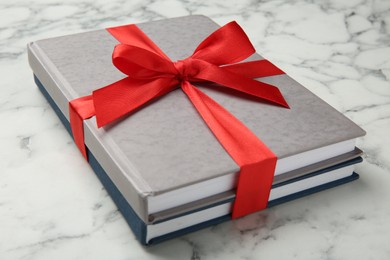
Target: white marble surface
53	207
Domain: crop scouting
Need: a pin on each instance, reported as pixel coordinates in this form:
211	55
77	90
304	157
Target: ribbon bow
151	74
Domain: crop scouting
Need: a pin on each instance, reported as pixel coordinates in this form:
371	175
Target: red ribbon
151	74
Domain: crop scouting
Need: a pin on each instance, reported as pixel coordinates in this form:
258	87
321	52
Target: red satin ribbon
151	74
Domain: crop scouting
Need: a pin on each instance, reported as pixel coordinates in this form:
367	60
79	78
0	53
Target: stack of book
162	166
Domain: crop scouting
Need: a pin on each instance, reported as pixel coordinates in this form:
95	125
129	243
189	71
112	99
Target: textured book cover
165	146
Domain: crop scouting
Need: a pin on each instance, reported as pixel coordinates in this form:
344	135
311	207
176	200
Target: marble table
53	207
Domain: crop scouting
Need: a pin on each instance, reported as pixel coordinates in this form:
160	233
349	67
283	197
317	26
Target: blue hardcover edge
135	223
139	227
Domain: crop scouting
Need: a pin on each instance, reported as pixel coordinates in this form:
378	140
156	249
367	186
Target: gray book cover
166	145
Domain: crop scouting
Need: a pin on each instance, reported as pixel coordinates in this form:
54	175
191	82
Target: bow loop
139	63
229	44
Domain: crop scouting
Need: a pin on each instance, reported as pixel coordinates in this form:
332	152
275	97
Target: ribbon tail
257	162
209	72
254	69
79	110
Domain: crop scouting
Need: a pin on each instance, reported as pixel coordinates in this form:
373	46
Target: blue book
146	161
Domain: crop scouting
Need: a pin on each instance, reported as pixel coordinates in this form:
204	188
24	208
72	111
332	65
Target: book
162	160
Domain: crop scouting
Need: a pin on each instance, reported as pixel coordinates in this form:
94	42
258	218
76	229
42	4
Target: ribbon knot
151	74
183	68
